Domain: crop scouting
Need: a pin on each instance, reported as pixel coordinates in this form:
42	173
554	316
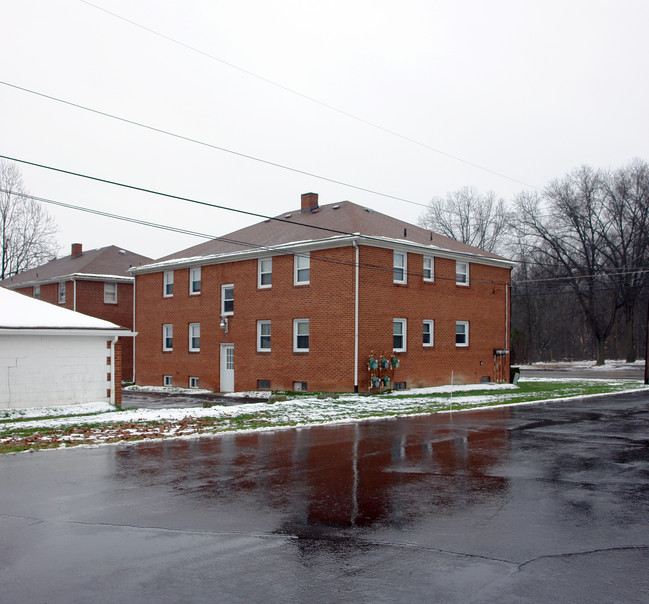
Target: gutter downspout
112	370
74	294
356	292
133	329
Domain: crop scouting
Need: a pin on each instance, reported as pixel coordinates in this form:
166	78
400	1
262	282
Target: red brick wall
328	301
119	346
90	301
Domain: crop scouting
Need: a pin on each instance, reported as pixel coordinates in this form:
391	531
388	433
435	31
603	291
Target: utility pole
646	350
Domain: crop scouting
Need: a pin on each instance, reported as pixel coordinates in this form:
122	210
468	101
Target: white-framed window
37	292
167	336
429	332
399	335
194	337
264	272
168	287
461	333
193	382
194	280
400	267
462	273
110	293
167	380
62	292
227	300
429	268
302	264
301	335
263	336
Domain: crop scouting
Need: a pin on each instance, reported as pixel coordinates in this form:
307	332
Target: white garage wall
43	370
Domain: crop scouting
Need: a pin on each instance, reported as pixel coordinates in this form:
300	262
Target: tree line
580	286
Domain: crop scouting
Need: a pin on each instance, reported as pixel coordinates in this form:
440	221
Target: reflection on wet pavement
335	476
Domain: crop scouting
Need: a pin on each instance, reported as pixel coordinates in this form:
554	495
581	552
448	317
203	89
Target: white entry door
227	367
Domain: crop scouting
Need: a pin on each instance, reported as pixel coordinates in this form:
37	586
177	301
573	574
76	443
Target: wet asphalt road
527	504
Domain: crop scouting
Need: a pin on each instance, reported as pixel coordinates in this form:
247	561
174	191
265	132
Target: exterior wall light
224	324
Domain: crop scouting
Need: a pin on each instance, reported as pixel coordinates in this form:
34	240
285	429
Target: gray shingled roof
326	221
105	261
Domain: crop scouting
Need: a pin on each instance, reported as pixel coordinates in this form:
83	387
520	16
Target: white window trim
61	292
295	335
36	292
403	267
431	323
466	332
304	257
113	299
167	380
168	279
404	323
260	324
260	262
464	283
193	381
164	336
229	313
432	268
192	271
192	326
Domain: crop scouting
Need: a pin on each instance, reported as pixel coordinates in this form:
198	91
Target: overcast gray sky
520	91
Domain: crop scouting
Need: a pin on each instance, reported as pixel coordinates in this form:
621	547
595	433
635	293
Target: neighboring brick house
301	302
95	282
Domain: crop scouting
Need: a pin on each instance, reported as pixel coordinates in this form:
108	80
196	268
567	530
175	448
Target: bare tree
568	227
466	215
626	203
27	232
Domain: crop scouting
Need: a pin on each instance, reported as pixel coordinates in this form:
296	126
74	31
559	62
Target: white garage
53	356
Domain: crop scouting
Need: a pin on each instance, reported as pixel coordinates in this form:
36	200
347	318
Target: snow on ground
69	410
300	410
100	423
609	365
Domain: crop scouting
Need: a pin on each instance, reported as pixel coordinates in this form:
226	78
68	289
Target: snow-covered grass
609	365
99	423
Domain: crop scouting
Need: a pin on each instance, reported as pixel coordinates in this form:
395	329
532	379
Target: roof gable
108	261
343	218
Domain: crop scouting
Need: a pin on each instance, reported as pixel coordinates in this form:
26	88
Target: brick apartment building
95	282
302	301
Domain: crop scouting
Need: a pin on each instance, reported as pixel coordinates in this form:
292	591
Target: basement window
167	380
193	382
263	384
299	387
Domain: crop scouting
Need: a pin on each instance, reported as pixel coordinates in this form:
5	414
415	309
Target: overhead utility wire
161	194
206	144
309	98
613	273
206	236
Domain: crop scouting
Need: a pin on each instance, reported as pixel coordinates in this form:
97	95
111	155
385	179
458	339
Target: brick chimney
309	202
77	250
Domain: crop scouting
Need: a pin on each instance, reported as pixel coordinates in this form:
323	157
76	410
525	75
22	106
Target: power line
246	244
308	98
206	144
609	273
